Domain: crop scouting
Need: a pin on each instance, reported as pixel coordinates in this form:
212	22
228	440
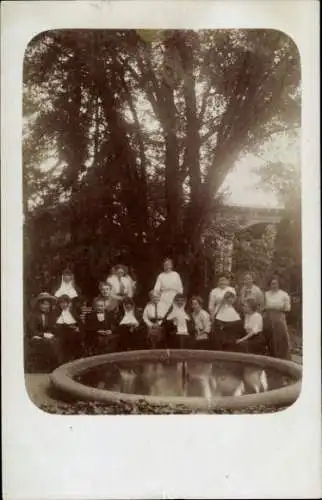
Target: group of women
246	320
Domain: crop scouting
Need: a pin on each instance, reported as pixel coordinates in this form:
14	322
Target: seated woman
68	329
129	330
227	325
153	317
253	340
99	326
120	282
180	324
68	287
202	323
42	346
111	304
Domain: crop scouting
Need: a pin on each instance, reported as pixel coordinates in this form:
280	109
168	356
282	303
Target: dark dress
95	342
71	337
130	337
41	354
225	334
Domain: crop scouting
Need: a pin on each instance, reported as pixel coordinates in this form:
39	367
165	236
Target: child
68	329
254	340
128	328
202	324
99	327
181	324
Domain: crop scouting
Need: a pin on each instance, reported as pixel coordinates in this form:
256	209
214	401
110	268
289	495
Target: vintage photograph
162	221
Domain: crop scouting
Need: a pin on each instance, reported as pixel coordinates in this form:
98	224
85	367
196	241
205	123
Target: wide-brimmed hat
44	296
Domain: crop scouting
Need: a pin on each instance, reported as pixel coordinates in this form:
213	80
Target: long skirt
71	341
202	344
255	345
130	337
278	335
42	355
225	334
181	342
156	337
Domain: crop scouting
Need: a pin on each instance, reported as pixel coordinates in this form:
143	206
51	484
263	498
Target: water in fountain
189	379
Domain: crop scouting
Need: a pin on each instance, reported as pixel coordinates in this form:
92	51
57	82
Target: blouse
154	313
121	286
216	296
179	317
168	284
253	323
254	292
202	324
279	300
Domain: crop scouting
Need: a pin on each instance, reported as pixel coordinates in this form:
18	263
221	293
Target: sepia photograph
162	244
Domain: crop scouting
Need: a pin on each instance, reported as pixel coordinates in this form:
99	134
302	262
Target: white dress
168	285
215	298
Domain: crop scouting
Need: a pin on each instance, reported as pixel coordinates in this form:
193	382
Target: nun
68	328
69	288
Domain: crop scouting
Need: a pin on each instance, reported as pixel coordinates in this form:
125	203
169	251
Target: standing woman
250	291
120	282
168	284
277	303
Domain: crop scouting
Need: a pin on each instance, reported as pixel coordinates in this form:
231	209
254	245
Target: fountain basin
71	379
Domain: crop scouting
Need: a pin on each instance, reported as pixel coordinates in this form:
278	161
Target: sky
243	181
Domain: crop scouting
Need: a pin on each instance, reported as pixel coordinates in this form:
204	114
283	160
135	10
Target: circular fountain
200	380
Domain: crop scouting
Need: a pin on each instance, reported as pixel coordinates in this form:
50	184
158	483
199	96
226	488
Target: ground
38	387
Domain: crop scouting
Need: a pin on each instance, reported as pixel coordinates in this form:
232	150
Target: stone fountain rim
62	379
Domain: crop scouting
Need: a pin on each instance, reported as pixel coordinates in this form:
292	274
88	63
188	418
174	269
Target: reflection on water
189	379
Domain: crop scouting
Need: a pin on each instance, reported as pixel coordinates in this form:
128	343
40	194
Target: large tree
140	137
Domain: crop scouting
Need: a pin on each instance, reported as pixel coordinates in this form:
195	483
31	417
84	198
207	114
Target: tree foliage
127	142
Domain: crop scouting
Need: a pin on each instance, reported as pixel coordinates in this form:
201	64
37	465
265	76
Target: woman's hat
44	296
